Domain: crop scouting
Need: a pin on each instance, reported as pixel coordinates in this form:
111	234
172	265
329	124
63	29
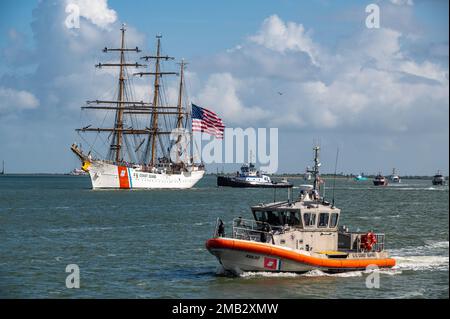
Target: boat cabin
305	225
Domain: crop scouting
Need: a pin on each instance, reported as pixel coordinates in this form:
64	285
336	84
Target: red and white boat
297	236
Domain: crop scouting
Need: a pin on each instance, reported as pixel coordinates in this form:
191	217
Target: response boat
297	236
249	176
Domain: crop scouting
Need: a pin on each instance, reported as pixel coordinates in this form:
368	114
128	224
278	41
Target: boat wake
316	273
433	256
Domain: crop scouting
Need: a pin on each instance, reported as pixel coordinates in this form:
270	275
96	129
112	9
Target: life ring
368	241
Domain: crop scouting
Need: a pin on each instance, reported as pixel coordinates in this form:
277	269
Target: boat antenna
334	178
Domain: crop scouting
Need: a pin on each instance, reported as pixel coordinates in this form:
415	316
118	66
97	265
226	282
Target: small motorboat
380	180
394	178
250	177
360	178
297	236
438	179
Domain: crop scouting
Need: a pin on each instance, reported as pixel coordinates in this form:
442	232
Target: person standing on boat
221	229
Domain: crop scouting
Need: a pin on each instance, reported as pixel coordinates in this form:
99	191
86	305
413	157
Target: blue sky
381	95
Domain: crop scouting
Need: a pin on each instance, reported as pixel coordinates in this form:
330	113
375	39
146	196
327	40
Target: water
150	244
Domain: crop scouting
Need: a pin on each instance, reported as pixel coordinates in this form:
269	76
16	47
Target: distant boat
3	169
394	178
78	172
438	179
250	177
380	180
360	178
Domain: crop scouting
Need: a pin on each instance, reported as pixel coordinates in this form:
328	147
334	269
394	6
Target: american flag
204	120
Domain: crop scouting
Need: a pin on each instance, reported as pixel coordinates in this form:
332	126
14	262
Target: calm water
150	244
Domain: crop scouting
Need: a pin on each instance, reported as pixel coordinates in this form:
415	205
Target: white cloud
368	84
12	100
402	2
96	11
279	36
220	93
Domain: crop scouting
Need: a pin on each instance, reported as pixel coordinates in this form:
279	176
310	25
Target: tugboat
250	177
438	179
380	180
297	236
394	178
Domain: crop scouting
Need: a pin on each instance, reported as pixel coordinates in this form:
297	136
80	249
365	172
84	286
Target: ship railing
249	229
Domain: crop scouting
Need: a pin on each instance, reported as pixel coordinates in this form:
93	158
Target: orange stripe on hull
123	177
265	249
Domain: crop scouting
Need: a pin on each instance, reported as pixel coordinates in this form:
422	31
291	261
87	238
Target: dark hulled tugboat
250	177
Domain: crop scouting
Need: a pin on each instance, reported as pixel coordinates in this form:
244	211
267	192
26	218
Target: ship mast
180	96
154	133
120	106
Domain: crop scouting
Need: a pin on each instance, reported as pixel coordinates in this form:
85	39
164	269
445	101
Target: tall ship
249	176
438	179
394	178
297	236
380	180
142	151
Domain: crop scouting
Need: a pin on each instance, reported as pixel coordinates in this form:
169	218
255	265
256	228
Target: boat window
290	218
334	220
260	216
309	219
293	218
323	219
273	218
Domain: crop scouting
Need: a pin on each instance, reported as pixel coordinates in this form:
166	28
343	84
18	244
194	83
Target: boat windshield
278	218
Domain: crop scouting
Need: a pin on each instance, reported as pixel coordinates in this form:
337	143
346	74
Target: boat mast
120	106
119	114
180	106
154	132
315	171
180	96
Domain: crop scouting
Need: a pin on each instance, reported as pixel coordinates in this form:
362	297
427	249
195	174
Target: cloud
402	2
221	94
281	37
96	11
12	100
368	83
59	78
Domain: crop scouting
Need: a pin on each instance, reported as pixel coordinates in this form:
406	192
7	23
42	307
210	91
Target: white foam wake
421	263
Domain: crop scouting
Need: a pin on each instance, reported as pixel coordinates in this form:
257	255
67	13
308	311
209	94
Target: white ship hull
108	176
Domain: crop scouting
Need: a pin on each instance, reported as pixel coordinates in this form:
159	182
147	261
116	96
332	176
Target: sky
380	95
